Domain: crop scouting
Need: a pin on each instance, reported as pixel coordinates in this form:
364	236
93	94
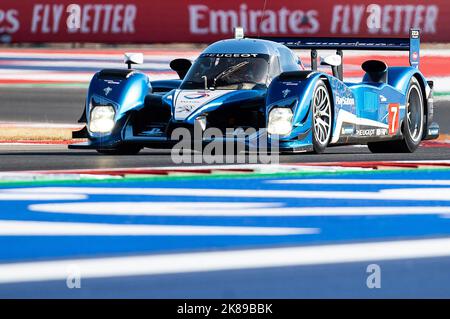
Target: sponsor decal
184	108
394	18
232	55
204	20
113	22
84	18
9	21
285	92
347	130
366	132
107	90
393	110
186	102
381	132
195	96
345	100
372	132
111	82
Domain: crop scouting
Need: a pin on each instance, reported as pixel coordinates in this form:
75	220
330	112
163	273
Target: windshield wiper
230	70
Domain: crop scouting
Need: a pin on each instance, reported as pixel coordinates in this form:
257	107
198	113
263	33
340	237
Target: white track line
412	194
39	197
159	208
225	209
37	228
41	125
225	260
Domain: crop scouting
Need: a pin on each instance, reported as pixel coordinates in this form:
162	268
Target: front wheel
321	108
122	150
412	127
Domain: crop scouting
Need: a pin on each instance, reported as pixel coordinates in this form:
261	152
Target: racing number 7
393	118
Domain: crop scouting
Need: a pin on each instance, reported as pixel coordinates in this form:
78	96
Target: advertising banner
200	21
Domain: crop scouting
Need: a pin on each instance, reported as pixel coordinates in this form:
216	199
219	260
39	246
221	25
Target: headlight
102	119
280	121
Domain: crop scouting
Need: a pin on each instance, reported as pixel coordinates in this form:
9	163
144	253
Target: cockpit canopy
240	64
228	71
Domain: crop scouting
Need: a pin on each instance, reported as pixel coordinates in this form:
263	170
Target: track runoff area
333	229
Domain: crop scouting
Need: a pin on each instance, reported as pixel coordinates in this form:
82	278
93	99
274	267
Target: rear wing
411	44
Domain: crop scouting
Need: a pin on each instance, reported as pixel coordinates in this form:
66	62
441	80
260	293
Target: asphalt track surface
48	157
64	105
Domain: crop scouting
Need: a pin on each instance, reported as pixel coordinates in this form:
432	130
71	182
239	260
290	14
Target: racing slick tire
122	150
412	126
322	117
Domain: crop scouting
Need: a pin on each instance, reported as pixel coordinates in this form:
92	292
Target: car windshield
227	71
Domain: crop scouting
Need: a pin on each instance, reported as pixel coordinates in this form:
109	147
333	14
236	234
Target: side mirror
181	66
334	61
133	58
331	60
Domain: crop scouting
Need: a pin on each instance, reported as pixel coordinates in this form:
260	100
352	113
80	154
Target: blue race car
243	83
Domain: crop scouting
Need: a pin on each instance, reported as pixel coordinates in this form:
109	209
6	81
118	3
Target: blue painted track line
333	229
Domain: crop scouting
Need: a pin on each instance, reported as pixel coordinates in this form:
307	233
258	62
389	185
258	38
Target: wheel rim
414	114
322	115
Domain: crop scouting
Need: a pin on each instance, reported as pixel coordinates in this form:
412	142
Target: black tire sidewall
410	143
317	146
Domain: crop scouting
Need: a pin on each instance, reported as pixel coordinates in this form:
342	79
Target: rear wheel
412	127
321	107
122	150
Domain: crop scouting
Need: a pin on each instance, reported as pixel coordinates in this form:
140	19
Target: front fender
399	77
294	92
125	90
